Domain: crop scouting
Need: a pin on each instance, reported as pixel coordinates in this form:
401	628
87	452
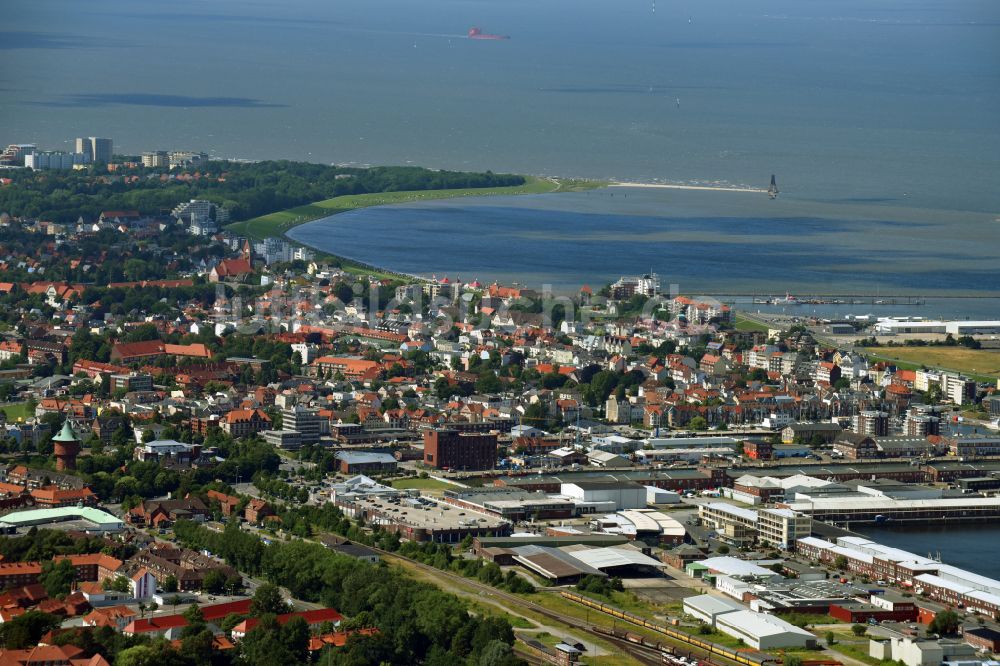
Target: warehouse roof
711	605
364	458
40	516
605	558
545	540
553	563
760	625
605	485
746	514
872	503
732	566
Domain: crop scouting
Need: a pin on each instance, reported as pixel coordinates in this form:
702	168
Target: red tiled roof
311	617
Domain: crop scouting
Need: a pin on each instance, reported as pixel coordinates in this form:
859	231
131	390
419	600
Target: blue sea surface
857	101
716	242
973	547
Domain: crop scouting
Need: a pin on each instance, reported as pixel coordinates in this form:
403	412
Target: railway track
637	652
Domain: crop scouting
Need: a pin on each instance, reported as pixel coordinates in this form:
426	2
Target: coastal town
223	448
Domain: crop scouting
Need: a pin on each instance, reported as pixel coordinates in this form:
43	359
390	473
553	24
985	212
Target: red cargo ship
476	33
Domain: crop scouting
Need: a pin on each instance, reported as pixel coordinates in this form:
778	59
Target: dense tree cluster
441	556
44	544
247	190
600	585
416	623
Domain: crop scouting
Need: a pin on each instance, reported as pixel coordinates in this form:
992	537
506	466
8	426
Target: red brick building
240	423
758	449
450	449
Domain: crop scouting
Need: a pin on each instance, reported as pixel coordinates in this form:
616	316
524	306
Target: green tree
263	645
498	653
195	621
57	577
170	584
859	630
698	423
831	638
268	599
26	630
945	623
215	582
295	638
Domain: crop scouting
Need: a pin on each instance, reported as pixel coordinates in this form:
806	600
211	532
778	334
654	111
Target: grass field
17	411
421	484
982	363
744	324
277	224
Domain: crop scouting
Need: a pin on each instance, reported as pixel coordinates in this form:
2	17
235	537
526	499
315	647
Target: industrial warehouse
933	579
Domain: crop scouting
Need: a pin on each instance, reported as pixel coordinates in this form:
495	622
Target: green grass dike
277	224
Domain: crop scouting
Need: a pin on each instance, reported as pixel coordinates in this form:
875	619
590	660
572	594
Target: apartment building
782	527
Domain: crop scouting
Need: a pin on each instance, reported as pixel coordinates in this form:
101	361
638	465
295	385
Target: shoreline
279	222
555	185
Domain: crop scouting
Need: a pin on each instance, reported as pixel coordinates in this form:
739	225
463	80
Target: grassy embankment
277	224
981	364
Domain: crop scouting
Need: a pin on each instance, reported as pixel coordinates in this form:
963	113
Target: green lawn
982	364
421	484
859	651
744	324
277	224
17	411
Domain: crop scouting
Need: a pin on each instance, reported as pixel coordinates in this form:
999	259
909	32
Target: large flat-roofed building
553	564
623	494
807	432
725	565
839	472
707	607
450	449
511	503
763	632
167	449
91	519
365	462
731	443
421	519
876	508
956	328
673	479
974	446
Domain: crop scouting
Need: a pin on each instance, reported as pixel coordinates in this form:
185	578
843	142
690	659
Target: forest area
247	189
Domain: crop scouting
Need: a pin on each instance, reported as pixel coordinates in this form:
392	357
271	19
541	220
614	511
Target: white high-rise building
155	159
95	148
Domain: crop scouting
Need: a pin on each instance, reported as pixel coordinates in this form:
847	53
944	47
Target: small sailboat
772	190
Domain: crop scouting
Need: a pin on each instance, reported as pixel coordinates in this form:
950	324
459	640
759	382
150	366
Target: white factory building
891	326
605	494
763	632
758	630
656	495
707	607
